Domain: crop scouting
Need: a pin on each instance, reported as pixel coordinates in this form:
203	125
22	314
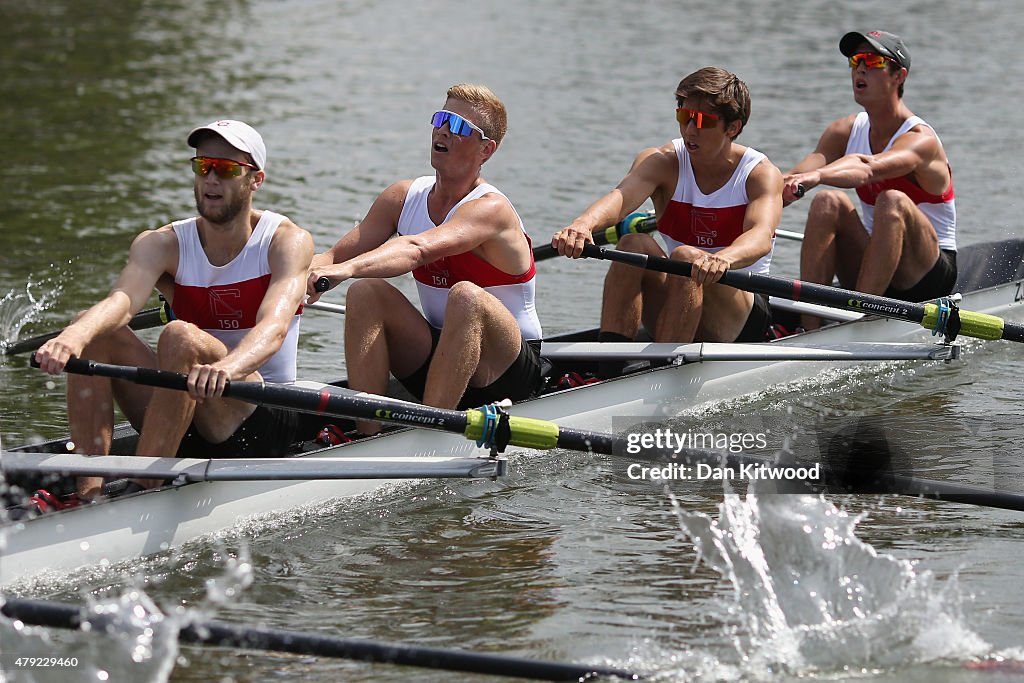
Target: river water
567	558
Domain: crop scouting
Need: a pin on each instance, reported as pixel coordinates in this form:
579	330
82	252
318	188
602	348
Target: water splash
132	638
19	308
809	596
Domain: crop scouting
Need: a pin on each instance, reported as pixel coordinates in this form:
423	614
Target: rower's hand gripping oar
496	429
941	317
635	223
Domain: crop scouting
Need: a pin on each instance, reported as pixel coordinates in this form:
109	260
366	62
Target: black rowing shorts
523	379
938	282
267	433
758	321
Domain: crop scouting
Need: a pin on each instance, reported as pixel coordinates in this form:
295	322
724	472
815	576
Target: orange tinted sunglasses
871	60
224	168
702	120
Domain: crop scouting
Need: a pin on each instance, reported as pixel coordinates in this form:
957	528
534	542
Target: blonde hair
493	119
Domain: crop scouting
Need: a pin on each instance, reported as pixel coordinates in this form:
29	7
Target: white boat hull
146	523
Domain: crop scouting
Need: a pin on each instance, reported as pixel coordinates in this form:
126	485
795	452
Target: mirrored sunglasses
224	168
701	119
456	124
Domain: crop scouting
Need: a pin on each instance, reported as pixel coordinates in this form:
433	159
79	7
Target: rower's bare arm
152	254
289	257
763	214
653	170
831	147
911	152
471	226
377	226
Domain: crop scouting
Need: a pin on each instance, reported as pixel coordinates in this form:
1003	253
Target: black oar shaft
316	401
62	615
972	324
524	432
143	320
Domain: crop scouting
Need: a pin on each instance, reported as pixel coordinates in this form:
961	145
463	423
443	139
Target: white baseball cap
239	135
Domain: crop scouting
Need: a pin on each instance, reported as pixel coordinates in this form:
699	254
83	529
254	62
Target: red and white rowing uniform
434	280
940	209
224	300
713	221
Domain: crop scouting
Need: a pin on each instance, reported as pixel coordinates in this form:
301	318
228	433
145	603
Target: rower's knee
827	210
367	300
178	345
638	244
892	209
466	302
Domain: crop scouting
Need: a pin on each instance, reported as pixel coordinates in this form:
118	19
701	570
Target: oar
639	222
143	320
151	317
931	316
249	469
221	634
490	428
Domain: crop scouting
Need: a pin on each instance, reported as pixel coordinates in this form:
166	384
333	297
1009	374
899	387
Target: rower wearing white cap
235	277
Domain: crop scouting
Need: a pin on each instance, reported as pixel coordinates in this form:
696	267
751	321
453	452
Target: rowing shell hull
151	522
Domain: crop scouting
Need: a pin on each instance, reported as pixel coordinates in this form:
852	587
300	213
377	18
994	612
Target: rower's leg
724	315
833	245
90	400
170	412
479	341
903	246
631	293
384	333
683	307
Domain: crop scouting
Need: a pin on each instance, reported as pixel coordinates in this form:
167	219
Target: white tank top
713	221
435	279
940	209
224	300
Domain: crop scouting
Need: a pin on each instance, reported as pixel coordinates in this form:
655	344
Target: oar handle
634	223
156	378
322	284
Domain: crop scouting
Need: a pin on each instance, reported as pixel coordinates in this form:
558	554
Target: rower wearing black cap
903	242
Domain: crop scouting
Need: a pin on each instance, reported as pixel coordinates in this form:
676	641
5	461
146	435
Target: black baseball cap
886	44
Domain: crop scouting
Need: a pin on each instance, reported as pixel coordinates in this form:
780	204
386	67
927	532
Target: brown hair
493	119
726	94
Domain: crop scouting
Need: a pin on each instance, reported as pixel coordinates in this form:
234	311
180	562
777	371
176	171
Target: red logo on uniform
438	272
224	302
704	227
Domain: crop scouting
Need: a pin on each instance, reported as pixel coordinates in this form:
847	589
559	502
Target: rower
903	243
235	277
478	338
718	204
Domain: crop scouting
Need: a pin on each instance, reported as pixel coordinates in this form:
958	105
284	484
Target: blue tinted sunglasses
456	124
